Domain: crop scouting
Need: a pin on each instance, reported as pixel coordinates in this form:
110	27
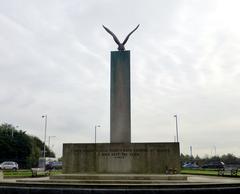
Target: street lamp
45	131
49	137
96	132
191	151
215	150
176	127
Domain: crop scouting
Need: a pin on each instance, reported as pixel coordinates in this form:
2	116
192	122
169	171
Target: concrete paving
191	180
194	185
212	179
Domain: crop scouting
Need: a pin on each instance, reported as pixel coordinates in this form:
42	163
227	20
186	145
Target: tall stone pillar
120	105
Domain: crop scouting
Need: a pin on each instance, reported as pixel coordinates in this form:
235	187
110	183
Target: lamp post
191	151
49	138
96	132
215	150
45	131
176	127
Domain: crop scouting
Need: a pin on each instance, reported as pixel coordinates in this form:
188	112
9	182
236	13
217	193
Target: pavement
195	184
191	180
213	179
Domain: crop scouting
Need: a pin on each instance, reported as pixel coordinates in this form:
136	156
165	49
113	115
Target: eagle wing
113	35
126	39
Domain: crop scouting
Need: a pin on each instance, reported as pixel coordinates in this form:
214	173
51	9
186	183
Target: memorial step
136	177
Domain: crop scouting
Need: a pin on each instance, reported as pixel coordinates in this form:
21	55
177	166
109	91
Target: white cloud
54	59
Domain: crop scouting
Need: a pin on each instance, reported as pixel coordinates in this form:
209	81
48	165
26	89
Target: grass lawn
200	172
210	172
19	173
23	173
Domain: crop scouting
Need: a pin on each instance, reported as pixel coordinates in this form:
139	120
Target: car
9	165
190	165
214	165
54	165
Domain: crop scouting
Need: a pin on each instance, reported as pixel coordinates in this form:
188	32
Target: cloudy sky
55	60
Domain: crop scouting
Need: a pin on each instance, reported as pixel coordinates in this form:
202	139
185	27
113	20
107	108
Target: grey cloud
54	59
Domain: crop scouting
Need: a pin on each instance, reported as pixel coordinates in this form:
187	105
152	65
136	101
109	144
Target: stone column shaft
120	102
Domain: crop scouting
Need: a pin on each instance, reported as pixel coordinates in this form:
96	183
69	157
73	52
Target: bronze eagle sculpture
120	45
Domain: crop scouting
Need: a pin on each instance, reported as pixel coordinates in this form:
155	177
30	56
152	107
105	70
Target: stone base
119	158
117	178
201	184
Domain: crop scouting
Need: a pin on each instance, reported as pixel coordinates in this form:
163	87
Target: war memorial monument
121	156
121	166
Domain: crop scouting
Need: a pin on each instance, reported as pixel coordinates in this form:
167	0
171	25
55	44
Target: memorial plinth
120	105
132	158
120	156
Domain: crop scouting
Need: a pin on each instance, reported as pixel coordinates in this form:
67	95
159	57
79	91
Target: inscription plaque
121	158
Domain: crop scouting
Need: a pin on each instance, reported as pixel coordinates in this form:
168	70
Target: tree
230	159
20	147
